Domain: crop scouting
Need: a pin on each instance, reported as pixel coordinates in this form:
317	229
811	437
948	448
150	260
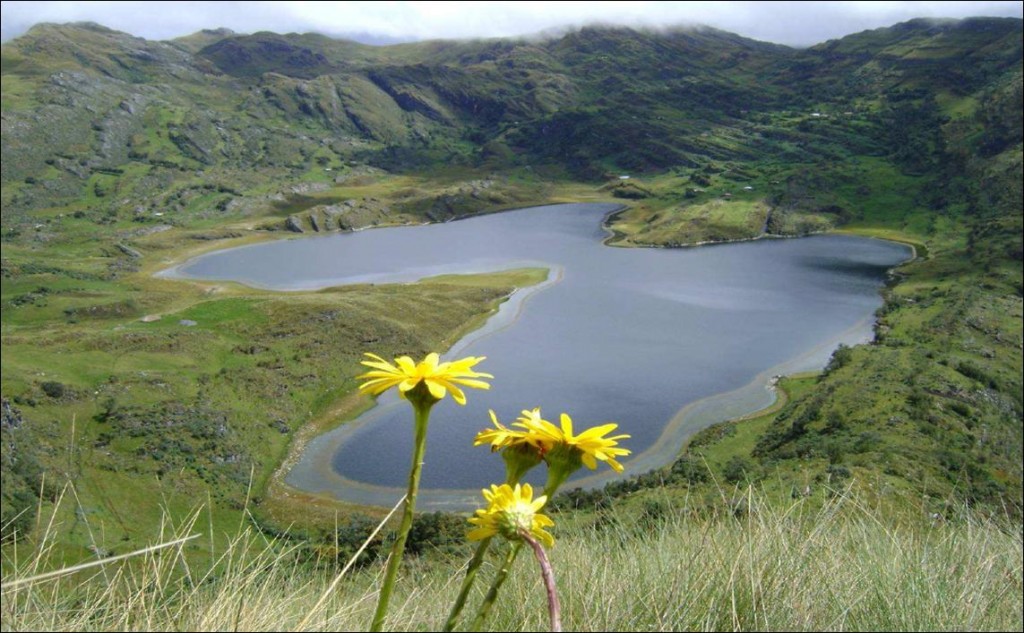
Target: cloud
792	23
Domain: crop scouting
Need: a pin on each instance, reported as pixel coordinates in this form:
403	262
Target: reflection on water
625	335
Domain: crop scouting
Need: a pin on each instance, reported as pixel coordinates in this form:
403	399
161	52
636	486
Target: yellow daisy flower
521	450
502	437
439	378
591	444
510	512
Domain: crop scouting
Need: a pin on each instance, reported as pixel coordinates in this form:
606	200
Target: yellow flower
438	377
511	512
591	444
502	437
521	450
528	418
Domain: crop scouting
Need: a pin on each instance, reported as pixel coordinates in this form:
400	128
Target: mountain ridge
513	95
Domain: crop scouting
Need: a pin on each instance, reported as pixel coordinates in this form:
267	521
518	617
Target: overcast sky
792	23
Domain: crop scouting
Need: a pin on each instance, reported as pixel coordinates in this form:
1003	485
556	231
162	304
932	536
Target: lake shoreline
692	418
352	405
706	410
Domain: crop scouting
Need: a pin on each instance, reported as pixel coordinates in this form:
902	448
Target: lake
663	341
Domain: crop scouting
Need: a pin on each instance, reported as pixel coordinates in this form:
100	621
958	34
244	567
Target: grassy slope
932	410
844	566
926	417
149	416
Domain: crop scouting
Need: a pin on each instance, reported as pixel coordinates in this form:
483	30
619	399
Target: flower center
515	519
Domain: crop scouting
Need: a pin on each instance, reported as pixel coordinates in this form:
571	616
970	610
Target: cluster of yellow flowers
511	512
545	436
532	440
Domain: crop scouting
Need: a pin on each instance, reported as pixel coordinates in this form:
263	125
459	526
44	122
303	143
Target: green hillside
122	156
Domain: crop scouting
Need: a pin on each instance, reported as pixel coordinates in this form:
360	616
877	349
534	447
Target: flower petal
566	426
406	365
436	388
481	533
457	394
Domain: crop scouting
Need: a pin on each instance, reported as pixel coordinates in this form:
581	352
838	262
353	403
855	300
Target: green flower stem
554	482
548	576
492	593
515	467
422	406
467	583
562	461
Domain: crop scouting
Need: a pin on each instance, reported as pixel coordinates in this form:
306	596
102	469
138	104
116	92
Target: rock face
10	416
334	218
20	450
414	205
343	216
129	251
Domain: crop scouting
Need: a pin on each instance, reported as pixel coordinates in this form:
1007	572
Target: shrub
737	470
54	389
437	531
690	469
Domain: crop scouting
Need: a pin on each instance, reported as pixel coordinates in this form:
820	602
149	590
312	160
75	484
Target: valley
123	156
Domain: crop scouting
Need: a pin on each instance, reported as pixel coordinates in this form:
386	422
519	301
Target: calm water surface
633	336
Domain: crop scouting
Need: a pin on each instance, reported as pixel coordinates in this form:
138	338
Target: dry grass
839	568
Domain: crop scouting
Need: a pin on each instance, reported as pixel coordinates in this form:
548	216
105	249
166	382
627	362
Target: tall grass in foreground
840	568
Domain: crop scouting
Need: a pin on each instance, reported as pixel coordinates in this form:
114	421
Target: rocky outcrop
410	206
129	251
343	216
10	416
